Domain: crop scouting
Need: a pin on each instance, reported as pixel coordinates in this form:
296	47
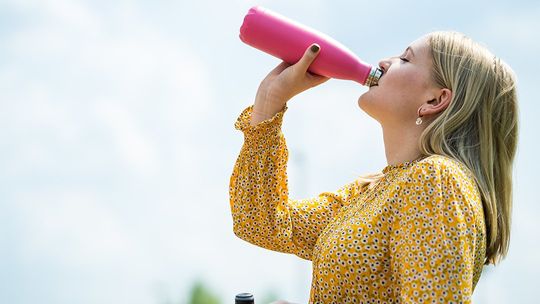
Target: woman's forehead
419	44
420	47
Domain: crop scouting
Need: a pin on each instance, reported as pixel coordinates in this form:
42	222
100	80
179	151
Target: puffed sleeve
263	214
435	237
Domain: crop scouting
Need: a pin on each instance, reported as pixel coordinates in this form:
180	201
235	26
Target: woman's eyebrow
410	49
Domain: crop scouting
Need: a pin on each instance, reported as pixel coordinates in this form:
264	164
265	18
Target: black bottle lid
244	298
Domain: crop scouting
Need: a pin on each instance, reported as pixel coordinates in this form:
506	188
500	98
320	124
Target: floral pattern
417	236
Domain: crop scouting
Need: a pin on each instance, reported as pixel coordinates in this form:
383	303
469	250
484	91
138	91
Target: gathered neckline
402	165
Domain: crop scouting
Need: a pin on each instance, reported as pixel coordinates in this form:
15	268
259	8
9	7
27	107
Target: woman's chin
362	100
366	104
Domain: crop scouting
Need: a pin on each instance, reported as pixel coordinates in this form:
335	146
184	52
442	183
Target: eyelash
404	59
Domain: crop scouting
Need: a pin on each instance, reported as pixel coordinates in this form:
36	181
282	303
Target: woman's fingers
315	79
303	64
286	80
309	56
280	68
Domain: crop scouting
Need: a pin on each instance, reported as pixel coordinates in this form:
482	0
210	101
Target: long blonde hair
479	128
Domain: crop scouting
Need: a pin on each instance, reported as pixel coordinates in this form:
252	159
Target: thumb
309	56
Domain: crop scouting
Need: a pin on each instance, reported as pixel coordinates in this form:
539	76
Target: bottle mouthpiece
373	77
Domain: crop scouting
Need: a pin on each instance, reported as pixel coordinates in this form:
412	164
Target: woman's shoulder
438	174
442	167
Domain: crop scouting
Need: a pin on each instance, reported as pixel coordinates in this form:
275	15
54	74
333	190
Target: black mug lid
244	298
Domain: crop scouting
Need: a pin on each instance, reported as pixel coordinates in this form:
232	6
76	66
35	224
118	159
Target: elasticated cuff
262	131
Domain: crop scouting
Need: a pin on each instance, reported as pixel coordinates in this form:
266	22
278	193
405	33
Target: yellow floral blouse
417	236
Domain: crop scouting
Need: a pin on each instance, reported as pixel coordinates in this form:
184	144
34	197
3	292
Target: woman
421	230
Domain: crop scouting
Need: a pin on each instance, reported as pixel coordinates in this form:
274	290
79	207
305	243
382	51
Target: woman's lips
376	85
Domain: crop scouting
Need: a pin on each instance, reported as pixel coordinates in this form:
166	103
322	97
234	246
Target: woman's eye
404	59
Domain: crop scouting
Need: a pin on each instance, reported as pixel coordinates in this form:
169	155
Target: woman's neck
401	144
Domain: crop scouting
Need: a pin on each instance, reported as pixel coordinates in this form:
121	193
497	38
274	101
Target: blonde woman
422	229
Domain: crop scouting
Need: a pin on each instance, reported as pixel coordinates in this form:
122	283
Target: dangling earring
419	119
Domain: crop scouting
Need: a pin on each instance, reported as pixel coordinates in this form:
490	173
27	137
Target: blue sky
117	141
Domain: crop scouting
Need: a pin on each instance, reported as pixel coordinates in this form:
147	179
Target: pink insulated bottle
288	40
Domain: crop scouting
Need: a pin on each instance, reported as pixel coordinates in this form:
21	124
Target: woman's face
405	85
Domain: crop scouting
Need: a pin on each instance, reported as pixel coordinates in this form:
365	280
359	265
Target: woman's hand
283	83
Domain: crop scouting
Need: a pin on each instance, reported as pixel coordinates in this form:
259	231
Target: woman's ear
438	104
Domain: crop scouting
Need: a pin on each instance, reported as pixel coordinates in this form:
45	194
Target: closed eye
404	59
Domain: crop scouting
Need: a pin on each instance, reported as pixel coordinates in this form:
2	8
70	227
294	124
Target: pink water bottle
288	40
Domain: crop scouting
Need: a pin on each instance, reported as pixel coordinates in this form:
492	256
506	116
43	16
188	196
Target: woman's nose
384	64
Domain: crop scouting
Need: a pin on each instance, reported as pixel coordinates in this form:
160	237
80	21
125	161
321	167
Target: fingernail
314	48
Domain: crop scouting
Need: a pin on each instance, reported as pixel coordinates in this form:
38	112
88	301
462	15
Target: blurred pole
303	271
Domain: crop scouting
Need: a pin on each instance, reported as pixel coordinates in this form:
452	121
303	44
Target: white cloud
89	98
516	26
70	228
71	12
140	83
133	145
